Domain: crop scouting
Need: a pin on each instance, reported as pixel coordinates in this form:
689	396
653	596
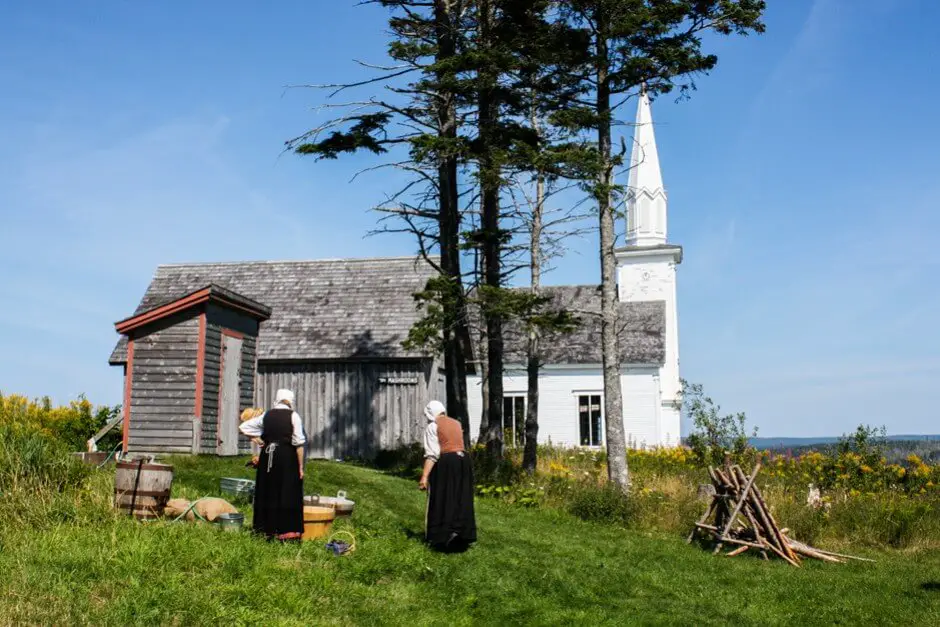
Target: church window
590	418
514	420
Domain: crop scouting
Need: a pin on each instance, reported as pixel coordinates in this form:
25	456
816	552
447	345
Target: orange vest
449	435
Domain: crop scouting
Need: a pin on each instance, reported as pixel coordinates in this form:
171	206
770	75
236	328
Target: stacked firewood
738	515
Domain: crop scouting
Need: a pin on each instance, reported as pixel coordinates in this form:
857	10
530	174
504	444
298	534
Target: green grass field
530	566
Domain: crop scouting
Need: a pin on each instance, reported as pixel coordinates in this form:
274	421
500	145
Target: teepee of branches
738	515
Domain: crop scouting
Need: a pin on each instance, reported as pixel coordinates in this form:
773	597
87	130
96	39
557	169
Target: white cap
284	395
433	410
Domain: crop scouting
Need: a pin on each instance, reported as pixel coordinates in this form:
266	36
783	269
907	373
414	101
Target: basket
351	545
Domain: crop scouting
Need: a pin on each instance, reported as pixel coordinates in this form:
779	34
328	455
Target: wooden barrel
143	488
317	521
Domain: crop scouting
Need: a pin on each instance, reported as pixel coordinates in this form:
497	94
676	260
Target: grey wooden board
164	424
166	434
229	410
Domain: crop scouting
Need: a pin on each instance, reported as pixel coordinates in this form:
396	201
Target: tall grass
866	501
42	484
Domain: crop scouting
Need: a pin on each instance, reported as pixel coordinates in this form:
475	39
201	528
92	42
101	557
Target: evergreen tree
629	44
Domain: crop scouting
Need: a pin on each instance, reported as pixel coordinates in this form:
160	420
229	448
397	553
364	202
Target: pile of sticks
742	518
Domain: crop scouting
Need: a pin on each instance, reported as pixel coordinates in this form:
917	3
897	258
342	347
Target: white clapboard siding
559	389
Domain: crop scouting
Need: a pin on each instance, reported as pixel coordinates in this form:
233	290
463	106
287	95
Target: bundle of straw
251	412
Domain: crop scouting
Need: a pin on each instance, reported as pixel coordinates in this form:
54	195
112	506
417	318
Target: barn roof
642	330
329	309
364	308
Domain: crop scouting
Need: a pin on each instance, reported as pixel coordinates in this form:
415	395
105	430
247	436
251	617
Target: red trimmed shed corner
190	371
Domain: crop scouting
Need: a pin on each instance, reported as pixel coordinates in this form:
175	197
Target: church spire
646	197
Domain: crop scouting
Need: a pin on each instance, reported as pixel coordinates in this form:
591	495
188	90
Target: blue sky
802	182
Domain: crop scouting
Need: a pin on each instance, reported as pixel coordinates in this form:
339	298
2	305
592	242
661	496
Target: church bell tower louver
647	263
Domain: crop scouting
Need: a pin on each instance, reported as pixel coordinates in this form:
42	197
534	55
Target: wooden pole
741	499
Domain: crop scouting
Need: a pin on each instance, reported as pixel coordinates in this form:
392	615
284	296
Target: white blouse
255	427
432	446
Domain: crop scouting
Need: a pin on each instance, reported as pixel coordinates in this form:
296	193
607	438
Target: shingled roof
363	308
642	330
331	309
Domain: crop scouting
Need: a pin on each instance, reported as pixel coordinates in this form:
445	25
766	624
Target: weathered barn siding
163	391
218	319
354	409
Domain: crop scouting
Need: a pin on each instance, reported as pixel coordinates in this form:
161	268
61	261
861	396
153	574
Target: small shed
189	369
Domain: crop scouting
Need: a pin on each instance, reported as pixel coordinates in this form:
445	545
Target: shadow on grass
930	586
411	534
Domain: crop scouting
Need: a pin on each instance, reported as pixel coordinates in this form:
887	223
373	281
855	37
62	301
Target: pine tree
630	43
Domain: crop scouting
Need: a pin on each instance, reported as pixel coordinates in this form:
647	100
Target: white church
571	407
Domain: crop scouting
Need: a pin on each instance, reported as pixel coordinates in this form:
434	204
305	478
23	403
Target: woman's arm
428	466
432	450
253	429
298	440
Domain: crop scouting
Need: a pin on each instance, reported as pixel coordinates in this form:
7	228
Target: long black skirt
451	524
279	494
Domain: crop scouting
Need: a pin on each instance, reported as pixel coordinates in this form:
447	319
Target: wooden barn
209	340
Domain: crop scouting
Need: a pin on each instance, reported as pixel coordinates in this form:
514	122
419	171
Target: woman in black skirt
279	485
448	477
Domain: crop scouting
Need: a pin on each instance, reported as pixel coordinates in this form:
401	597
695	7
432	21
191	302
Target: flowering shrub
853	470
71	424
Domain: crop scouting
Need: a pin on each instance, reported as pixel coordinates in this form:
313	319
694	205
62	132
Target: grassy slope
529	566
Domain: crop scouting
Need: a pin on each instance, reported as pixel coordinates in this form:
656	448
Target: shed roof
642	330
217	294
328	309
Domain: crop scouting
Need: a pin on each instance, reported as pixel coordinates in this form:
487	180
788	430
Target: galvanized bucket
231	522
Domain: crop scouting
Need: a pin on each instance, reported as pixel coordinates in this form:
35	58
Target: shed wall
354	409
163	386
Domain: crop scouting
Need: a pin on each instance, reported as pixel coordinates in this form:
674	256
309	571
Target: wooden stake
737	551
742	497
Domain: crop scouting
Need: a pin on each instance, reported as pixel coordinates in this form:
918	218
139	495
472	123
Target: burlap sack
175	507
212	508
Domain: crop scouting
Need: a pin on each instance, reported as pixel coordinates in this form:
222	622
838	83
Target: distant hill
775	443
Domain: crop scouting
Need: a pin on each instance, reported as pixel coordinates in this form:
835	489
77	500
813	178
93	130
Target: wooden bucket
317	521
142	488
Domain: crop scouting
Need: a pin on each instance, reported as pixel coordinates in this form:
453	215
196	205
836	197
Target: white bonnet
433	410
284	395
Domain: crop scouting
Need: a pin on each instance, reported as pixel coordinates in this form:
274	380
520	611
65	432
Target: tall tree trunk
530	455
482	363
456	333
491	237
610	324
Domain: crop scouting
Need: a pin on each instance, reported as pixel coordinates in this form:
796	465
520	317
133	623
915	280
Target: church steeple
646	197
